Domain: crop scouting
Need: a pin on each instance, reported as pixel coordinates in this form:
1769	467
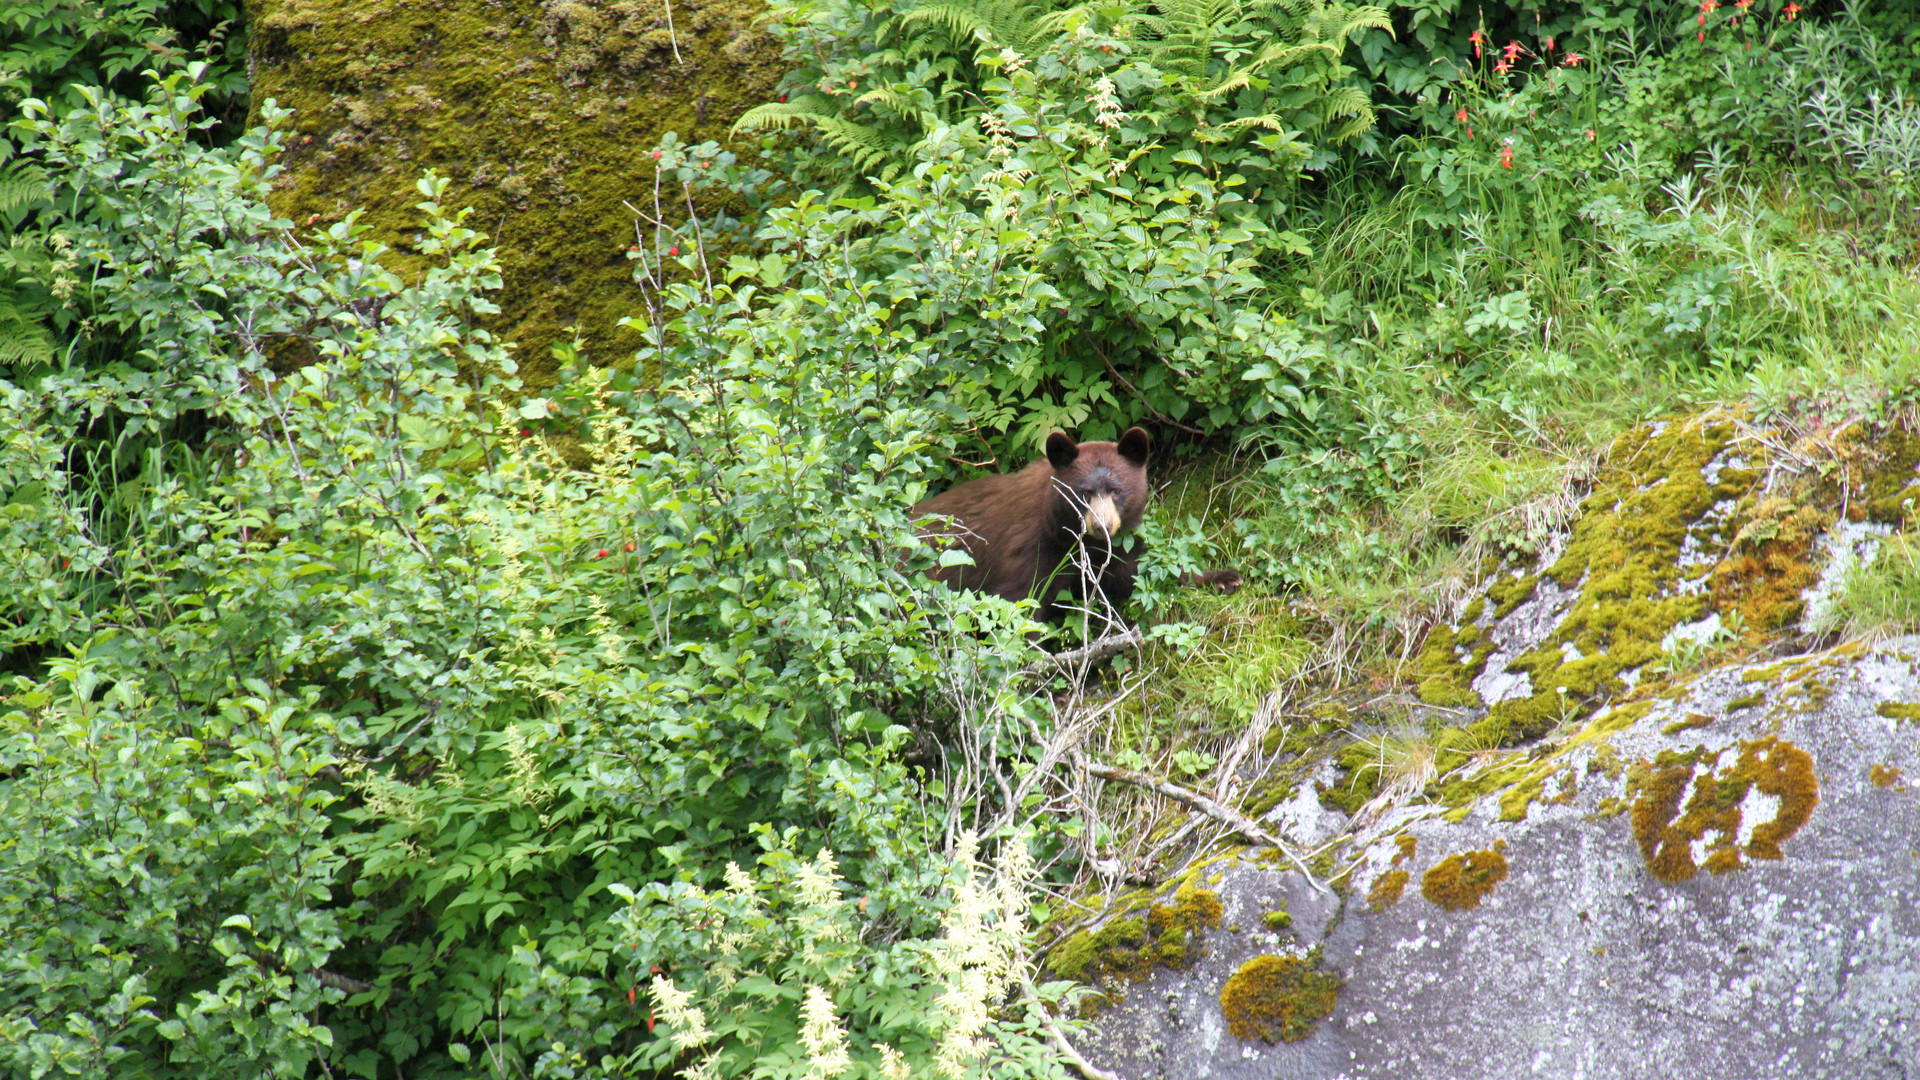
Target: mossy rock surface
541	112
1663	814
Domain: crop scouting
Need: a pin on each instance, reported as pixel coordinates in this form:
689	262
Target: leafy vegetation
371	711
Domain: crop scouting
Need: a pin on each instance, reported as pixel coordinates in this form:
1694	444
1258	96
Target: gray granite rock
1583	962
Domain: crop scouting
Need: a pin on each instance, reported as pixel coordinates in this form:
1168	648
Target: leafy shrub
421	683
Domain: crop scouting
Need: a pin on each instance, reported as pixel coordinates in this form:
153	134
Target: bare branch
1240	823
1091	653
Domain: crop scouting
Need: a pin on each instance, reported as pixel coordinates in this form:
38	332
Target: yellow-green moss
1761	579
1441	676
1278	998
1687	722
1509	593
1892	487
1747	702
1130	948
1884	776
1460	882
1606	761
1898	710
1667	830
1387	889
539	111
1277	921
1623	557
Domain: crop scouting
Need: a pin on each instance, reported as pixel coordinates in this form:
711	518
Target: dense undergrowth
371	713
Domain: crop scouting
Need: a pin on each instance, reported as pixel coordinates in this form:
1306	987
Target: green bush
371	693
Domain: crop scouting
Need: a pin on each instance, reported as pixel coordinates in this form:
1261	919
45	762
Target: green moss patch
1387	889
1278	998
1687	723
1166	936
539	111
1460	882
1883	776
1684	799
1623	558
1510	592
1892	486
1758	584
1448	663
1898	710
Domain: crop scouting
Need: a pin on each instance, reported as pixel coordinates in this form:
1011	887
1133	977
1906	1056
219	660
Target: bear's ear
1061	450
1133	445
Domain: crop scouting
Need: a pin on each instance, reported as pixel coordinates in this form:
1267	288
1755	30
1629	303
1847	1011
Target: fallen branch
1239	822
1091	653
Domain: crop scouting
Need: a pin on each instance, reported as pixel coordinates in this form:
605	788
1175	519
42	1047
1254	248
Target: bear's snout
1102	516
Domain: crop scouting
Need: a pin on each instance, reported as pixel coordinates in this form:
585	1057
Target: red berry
629	545
674	250
602	553
656	155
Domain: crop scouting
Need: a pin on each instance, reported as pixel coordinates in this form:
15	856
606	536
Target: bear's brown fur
1022	528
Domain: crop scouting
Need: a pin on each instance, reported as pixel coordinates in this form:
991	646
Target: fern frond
862	145
1266	120
994	23
783	115
1347	101
21	187
24	341
1335	24
1353	128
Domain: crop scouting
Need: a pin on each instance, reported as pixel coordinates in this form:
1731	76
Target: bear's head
1102	485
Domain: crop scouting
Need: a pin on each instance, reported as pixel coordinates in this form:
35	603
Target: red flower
1461	115
1590	135
1476	37
1793	10
1502	66
1511	50
1573	59
1549	44
1506	157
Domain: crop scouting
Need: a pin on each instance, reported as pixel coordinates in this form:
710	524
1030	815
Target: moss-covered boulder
1668	825
542	112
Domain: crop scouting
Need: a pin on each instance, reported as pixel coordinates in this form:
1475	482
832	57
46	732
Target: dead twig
1240	823
1091	653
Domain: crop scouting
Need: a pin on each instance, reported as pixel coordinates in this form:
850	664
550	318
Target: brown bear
1022	529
